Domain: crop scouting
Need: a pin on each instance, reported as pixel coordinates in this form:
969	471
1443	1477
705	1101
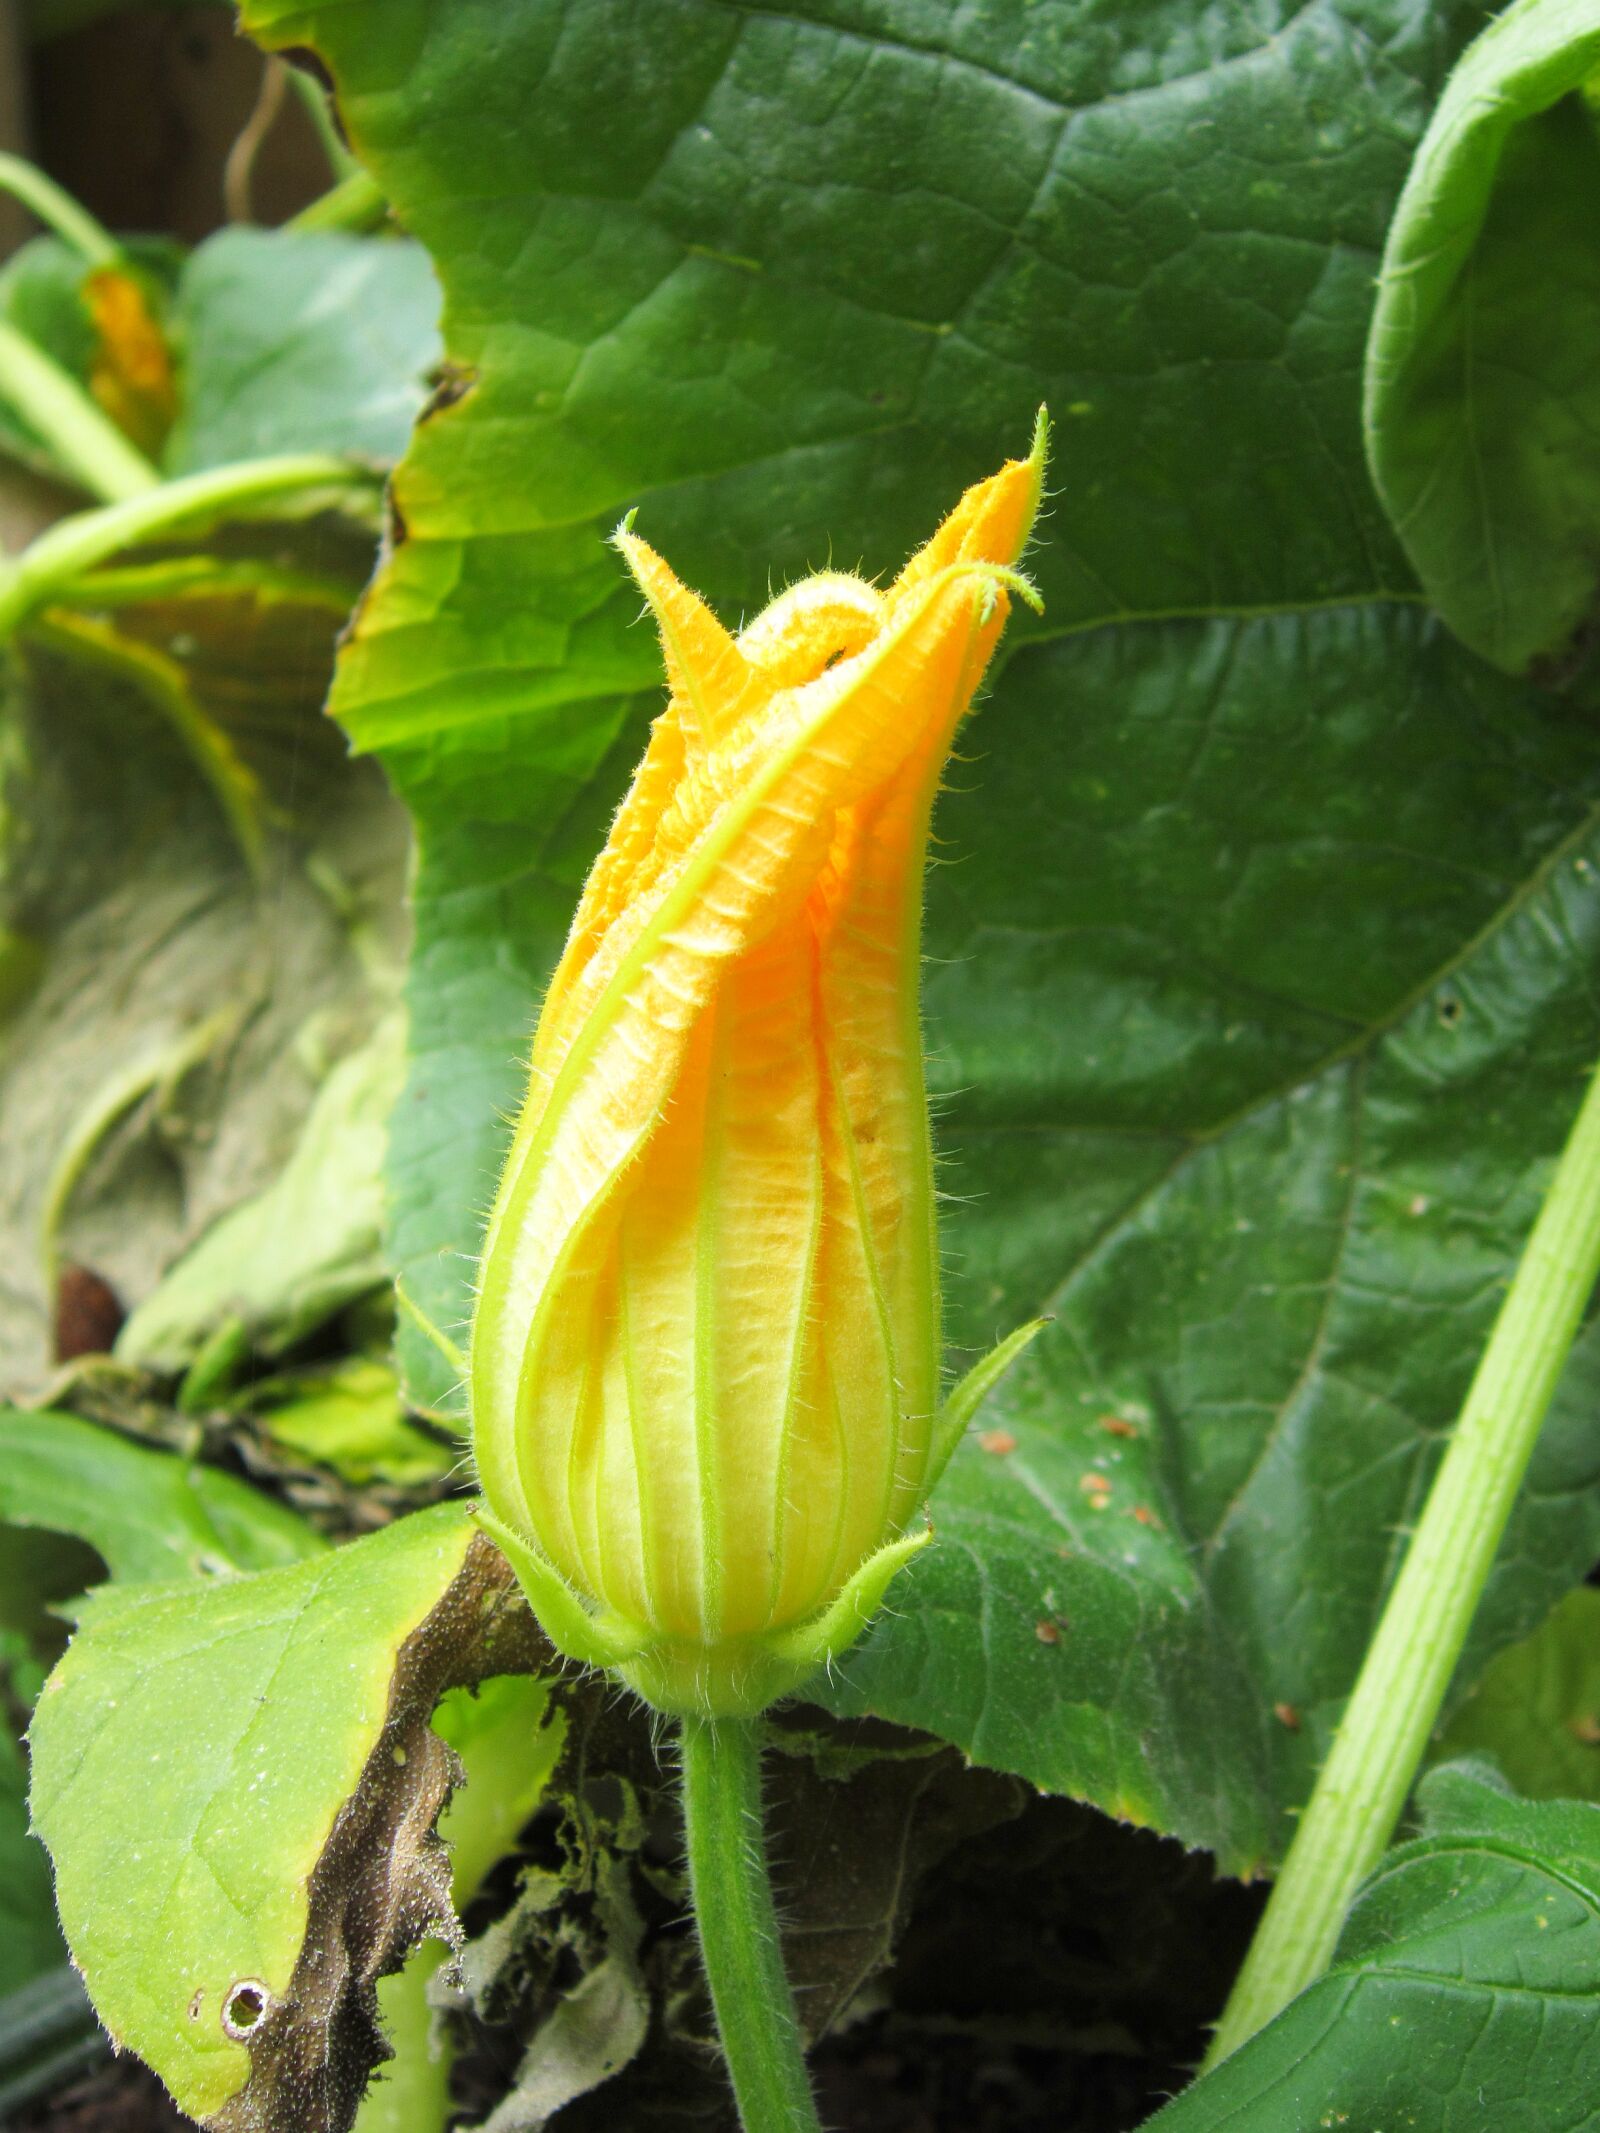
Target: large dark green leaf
1263	1046
1483	393
1260	991
1463	1992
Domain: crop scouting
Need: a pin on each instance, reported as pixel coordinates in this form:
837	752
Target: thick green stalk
356	203
739	1926
77	544
85	443
1400	1691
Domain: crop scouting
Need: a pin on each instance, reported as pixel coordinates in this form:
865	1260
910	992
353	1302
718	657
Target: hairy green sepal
741	1676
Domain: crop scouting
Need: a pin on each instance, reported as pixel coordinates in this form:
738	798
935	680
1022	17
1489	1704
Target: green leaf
238	1786
1537	1708
350	1417
43	2014
1483	395
291	341
148	1514
180	1008
1462	1992
1260	992
1267	1157
301	342
282	1263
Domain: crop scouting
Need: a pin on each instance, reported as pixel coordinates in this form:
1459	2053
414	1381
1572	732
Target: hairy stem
739	1926
84	443
1408	1668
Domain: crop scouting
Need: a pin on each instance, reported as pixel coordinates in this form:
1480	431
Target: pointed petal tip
992	523
705	668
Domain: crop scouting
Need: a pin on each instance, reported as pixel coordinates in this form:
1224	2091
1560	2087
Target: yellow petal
705	1358
706	671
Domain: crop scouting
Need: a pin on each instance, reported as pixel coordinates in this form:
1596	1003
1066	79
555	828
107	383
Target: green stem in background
319	109
85	443
1401	1688
43	198
77	544
739	1927
356	203
206	577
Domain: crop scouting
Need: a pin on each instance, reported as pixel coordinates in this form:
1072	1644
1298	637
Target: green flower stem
77	544
45	200
355	203
85	443
1400	1691
739	1926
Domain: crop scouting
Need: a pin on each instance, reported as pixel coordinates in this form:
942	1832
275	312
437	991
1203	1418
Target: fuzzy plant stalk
705	1354
738	1924
1400	1691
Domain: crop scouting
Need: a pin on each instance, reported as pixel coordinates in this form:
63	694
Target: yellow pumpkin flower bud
705	1358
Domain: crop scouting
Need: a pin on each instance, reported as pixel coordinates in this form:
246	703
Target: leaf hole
245	2008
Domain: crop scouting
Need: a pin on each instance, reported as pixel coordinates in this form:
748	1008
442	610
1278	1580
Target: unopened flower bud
705	1360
